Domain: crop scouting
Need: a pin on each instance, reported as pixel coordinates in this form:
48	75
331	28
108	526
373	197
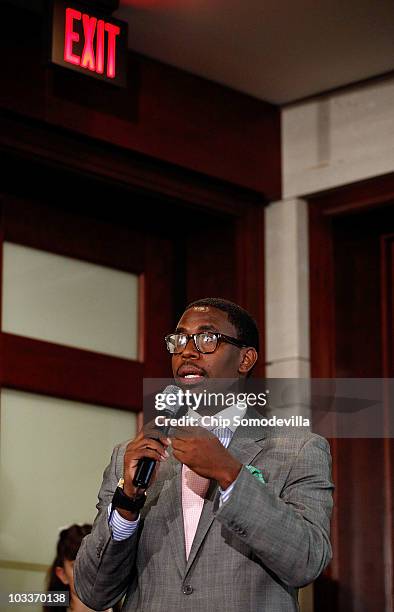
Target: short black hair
244	323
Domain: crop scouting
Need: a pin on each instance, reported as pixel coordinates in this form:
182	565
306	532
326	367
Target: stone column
287	289
287	305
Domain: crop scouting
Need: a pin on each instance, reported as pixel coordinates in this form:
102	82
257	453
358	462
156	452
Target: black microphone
146	465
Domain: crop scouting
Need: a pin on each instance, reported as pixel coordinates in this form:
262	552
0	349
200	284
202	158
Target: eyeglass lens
205	342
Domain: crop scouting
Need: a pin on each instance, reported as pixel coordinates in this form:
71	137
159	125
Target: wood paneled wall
165	113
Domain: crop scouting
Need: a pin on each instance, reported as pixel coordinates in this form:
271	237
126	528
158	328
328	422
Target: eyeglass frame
220	338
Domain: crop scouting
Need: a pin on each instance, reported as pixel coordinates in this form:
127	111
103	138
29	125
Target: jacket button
187	589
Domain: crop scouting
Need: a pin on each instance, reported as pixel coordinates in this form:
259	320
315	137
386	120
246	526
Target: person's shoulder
122	445
117	458
120	449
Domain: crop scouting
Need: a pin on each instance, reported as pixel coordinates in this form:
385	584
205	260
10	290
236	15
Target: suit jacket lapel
244	446
168	487
174	516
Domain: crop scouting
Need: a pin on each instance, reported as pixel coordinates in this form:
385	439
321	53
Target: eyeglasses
205	342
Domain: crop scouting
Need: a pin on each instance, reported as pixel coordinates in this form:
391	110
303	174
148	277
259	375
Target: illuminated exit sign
89	42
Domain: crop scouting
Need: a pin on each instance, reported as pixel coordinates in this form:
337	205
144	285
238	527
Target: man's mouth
191	374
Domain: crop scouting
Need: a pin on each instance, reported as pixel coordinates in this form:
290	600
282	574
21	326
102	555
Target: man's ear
61	574
248	359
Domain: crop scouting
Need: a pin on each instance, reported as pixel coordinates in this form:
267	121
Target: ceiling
276	50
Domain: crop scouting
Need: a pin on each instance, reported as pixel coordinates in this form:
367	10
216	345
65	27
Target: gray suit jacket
251	554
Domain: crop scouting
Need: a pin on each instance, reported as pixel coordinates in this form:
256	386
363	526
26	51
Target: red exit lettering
93	53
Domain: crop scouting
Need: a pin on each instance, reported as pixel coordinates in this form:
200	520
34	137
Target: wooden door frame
323	208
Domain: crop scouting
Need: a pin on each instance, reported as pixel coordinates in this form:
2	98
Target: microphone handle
146	466
144	472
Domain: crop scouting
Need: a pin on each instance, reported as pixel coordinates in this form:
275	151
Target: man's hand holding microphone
140	448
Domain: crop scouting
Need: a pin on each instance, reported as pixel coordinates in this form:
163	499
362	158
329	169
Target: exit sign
89	42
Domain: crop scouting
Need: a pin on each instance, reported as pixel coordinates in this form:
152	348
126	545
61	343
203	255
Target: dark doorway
352	284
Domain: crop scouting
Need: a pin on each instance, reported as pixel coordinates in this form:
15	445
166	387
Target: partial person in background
61	572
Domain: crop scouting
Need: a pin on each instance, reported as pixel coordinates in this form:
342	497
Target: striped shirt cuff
121	527
225	494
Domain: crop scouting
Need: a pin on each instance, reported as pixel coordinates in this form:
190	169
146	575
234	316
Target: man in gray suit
236	519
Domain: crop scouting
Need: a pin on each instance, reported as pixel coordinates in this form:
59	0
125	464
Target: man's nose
190	350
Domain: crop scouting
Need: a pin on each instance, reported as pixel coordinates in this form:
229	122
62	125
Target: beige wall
53	451
338	139
53	454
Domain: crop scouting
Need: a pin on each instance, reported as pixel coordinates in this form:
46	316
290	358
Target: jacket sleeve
289	532
103	567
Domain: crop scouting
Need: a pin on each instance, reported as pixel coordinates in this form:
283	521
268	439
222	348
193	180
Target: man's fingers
145	451
138	453
191	431
151	443
145	448
149	452
179	444
185	430
177	455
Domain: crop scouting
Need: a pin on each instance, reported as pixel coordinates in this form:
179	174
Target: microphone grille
172	389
